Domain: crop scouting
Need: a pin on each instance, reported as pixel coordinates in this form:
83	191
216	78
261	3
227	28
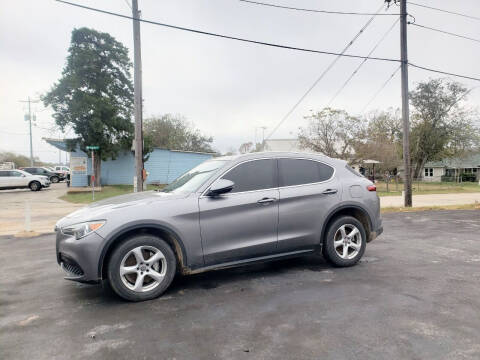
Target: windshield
193	179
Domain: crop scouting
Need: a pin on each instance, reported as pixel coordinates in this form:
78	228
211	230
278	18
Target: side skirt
230	264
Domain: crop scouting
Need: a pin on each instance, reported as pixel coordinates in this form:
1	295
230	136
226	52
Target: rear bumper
375	234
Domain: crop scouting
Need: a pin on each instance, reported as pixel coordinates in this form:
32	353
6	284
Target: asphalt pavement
415	295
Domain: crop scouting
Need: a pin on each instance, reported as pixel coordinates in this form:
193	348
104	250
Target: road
415	295
46	209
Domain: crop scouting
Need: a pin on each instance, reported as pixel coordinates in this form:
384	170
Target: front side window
299	171
253	175
193	179
15	173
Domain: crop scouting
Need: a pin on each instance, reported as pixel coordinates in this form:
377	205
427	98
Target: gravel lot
416	295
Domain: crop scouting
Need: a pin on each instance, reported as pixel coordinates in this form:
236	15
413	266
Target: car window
300	171
4	173
253	175
15	173
193	179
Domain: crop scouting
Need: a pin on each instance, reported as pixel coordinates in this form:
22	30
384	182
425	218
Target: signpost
93	148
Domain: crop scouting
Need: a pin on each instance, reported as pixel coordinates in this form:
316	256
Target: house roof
470	161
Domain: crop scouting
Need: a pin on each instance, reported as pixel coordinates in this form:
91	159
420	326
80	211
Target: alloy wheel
347	241
143	268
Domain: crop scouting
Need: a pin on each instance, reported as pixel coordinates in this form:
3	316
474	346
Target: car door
242	224
17	179
4	178
308	190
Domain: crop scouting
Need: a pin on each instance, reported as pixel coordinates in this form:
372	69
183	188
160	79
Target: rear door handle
266	201
329	192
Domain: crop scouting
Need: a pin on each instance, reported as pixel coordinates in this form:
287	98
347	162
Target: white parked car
17	179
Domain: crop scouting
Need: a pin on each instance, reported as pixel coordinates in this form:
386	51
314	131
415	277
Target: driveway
415	295
45	207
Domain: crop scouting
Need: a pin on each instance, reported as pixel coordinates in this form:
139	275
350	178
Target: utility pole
263	136
407	185
137	85
29	119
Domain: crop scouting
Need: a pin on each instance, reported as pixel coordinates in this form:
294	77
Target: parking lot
45	208
415	295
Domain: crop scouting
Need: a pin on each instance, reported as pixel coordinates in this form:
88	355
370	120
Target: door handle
329	192
266	201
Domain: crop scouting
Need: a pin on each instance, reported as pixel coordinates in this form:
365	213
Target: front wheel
54	179
35	186
141	268
345	242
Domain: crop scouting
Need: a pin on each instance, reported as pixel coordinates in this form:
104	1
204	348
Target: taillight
371	188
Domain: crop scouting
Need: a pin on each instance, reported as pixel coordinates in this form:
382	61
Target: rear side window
300	171
4	173
253	175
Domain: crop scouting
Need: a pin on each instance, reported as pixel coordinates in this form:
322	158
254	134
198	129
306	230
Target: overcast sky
225	87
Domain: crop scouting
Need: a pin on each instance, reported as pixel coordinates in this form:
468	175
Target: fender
111	239
345	205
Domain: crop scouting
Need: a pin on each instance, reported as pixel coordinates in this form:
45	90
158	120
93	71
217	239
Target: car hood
102	209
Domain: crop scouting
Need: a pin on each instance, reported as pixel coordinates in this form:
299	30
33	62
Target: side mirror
219	187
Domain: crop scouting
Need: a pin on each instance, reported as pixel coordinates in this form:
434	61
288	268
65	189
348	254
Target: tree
381	139
20	160
245	148
94	96
331	132
176	133
440	125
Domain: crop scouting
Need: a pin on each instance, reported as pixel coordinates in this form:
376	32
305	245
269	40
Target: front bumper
79	258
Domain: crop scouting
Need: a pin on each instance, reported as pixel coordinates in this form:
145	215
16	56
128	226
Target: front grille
70	266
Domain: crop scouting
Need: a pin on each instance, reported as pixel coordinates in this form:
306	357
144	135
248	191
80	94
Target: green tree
441	125
94	96
176	133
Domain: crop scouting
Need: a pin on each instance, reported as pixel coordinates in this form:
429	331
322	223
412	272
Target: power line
311	10
363	62
445	32
128	4
444	72
445	11
293	108
226	36
380	90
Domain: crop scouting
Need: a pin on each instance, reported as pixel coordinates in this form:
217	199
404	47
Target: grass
107	192
428	188
386	210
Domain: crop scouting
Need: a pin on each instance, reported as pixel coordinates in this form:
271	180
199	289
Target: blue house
163	166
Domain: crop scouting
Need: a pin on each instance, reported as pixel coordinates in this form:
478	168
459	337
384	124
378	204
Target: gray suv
225	212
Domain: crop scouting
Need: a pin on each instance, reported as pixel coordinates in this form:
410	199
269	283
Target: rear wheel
141	268
345	242
35	186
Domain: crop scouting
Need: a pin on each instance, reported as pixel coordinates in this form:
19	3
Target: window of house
300	171
253	175
428	172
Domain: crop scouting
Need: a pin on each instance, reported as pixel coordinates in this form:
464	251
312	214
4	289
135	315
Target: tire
336	242
54	179
126	256
35	186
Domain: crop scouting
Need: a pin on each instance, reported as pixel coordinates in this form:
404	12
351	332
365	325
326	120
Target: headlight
82	229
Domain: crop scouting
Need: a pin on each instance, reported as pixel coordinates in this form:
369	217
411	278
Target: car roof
281	154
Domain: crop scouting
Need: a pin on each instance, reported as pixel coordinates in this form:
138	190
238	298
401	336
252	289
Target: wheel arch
162	231
354	210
